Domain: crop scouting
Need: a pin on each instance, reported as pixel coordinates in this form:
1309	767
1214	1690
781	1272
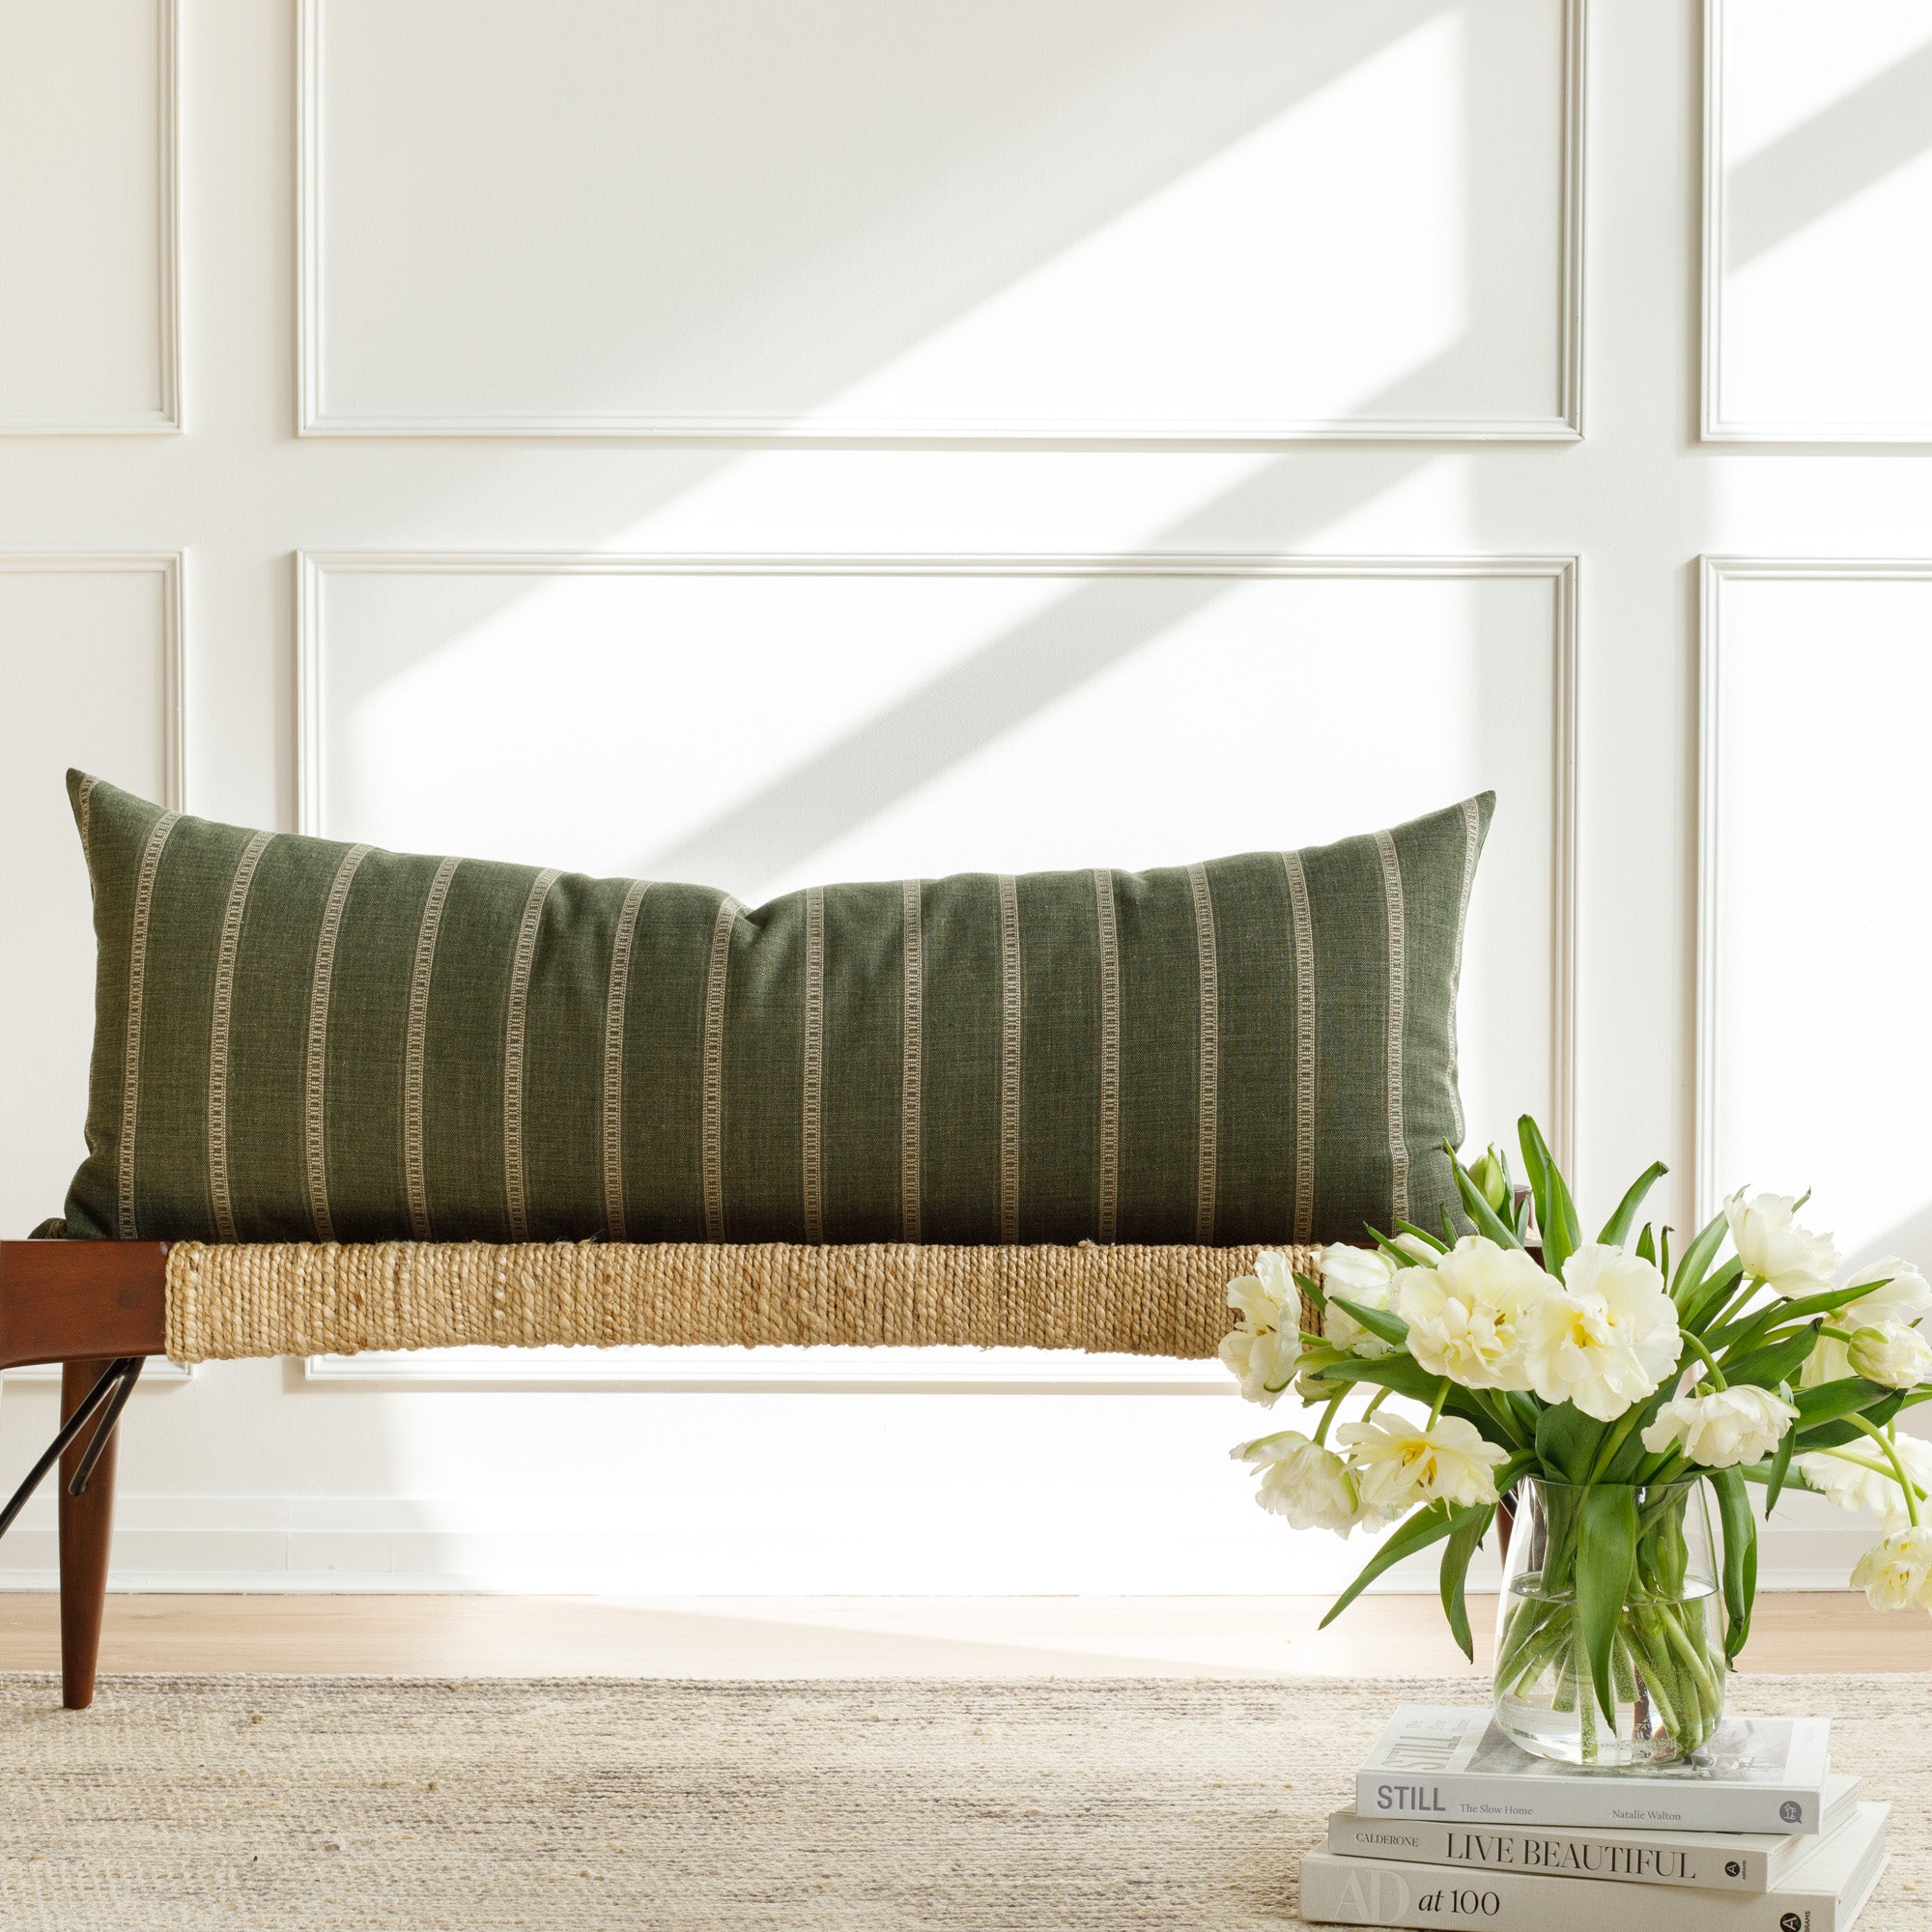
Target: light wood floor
865	1637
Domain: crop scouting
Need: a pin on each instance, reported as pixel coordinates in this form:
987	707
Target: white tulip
1364	1275
1263	1364
1896	1575
1900	1294
1262	1352
1855	1488
1772	1244
1467	1316
1269	1298
1606	1338
1723	1429
1312	1486
1397	1464
1889	1352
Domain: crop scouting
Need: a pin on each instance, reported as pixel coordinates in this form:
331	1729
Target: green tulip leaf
1838	1432
1776	1362
1567	1441
1457	1553
1740	1568
1695	1259
1605	1558
1616	1230
1555	1211
1378	1321
1427	1525
1402	1374
1780	1459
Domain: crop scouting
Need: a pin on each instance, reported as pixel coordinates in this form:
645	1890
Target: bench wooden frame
83	1304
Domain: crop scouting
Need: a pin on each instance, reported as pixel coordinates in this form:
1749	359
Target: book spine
1516	1848
1598	1804
1388	1891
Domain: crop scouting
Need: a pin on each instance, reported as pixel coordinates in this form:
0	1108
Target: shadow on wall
826	190
1835	154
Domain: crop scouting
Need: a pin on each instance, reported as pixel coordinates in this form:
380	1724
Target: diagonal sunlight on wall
807	226
429	693
1101	319
1825	199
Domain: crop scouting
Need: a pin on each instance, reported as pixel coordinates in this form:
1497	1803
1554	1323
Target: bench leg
86	1527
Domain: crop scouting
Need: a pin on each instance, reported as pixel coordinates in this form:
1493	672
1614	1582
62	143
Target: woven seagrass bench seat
195	1302
235	1301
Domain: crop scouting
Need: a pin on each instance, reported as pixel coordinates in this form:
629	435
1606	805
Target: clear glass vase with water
1667	1646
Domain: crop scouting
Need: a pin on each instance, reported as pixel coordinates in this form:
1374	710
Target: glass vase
1667	1652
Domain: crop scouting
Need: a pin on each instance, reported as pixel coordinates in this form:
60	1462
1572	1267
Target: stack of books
1454	1825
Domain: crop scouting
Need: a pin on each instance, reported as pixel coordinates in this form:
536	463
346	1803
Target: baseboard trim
595	1545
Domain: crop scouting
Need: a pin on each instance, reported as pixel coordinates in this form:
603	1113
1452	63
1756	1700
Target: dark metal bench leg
86	1527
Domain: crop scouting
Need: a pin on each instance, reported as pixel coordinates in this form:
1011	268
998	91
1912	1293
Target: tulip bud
1491	1177
1889	1352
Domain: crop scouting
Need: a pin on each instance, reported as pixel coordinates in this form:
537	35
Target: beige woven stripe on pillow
226	1302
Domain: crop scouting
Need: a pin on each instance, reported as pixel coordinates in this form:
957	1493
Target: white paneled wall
1016	437
88	328
1818	199
1817	919
980	217
90	674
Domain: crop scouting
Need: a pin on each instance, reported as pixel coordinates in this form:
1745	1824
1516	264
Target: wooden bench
102	1308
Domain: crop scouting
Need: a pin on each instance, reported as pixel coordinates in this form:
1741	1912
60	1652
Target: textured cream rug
573	1805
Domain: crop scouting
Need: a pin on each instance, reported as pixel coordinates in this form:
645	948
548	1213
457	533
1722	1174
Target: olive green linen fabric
299	1039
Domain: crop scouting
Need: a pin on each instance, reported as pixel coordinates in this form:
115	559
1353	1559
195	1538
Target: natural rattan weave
301	1298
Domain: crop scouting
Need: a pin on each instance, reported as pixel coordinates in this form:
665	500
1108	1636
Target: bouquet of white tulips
1587	1389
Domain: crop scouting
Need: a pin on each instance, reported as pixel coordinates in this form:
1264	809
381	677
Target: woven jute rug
578	1805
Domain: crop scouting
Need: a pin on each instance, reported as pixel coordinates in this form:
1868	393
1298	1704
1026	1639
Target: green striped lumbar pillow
296	1039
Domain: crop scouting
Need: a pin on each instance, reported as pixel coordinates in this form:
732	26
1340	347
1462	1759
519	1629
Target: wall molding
540	1542
1711	415
1714	572
166	419
1566	425
724	1369
170	566
824	1371
1715	425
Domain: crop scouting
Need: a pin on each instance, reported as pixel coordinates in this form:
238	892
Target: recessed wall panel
1817	920
1164	218
87	197
1818	200
763	723
89	655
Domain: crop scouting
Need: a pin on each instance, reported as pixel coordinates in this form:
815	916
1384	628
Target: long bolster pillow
304	1041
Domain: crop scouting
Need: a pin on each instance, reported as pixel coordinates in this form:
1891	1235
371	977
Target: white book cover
1456	1766
1724	1860
1823	1892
